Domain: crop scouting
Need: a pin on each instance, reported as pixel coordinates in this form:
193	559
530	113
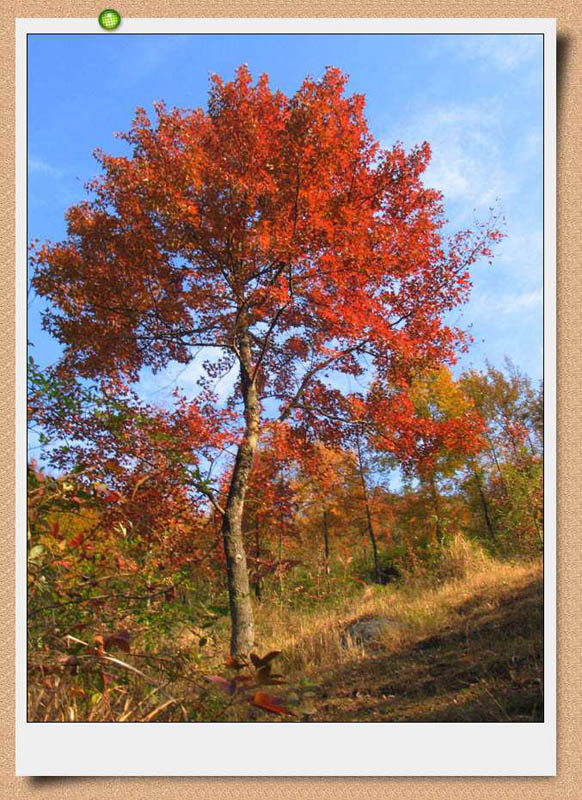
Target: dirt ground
487	667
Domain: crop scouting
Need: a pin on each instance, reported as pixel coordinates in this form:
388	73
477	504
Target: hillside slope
484	666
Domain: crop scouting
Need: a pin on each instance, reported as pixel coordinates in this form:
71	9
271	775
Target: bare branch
311	373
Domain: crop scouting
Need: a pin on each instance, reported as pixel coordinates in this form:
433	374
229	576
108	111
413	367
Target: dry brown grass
470	589
314	643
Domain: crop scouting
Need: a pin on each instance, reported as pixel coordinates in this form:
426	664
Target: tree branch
311	374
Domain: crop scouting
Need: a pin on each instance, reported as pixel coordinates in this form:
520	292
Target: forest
354	533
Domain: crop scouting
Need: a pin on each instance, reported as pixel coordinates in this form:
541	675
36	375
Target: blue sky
476	99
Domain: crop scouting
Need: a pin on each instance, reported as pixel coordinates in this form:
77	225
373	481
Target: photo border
483	748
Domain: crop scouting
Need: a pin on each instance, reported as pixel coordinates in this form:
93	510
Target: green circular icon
109	19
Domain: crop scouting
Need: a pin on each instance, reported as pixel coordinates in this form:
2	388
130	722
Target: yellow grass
314	642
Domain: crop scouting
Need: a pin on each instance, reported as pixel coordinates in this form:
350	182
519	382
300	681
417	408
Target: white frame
279	749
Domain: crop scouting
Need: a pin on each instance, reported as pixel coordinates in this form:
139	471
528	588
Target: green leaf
36	552
219	610
95	698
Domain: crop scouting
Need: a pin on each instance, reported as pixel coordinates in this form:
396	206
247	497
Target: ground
462	644
486	668
481	662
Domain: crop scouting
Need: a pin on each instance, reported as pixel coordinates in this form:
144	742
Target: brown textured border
568	783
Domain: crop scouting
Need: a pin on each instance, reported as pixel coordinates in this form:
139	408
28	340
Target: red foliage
280	214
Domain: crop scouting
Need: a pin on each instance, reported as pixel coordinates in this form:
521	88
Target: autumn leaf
225	685
270	703
63	563
100	642
75	541
120	640
263	666
112	497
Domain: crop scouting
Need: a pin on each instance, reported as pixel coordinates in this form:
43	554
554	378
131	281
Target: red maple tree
276	233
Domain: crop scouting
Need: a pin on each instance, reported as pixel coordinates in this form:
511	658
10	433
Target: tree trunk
377	569
439	533
241	611
280	569
371	532
484	504
499	470
258	592
325	543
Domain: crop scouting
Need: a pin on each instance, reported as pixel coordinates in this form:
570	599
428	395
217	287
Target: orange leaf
222	683
270	703
112	497
76	540
100	642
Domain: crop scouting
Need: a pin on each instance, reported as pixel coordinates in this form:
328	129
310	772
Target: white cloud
159	387
522	252
526	303
41	166
466	163
502	52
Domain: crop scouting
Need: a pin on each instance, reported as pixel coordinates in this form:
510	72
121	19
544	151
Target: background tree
452	435
269	518
326	515
505	481
275	233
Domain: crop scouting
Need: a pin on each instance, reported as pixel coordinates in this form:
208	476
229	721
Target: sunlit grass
313	643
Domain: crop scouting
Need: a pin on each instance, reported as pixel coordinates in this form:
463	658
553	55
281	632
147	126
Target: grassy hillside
463	645
468	648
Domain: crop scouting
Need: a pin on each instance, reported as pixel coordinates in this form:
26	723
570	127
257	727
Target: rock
364	631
